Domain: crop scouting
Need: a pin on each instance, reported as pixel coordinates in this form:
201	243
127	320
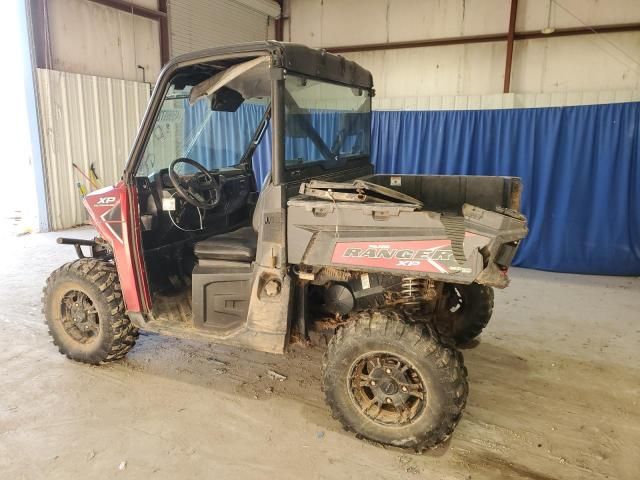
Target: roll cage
284	57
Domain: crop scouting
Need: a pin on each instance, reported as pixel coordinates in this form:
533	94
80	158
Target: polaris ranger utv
193	243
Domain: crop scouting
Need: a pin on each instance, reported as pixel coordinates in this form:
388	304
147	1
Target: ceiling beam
586	30
133	8
493	37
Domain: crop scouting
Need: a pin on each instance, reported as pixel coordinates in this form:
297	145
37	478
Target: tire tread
452	374
104	276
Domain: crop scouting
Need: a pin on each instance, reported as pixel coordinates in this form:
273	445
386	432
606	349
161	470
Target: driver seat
236	246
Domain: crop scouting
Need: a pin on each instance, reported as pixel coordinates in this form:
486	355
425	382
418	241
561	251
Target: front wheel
84	311
394	383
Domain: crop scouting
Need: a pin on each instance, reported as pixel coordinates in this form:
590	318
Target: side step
229	307
221	295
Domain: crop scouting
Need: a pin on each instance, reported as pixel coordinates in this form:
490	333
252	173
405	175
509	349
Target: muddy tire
83	308
394	383
467	312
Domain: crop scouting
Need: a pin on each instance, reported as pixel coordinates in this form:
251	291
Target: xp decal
105	208
419	255
106	201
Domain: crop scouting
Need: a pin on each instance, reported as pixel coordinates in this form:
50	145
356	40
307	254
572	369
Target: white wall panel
533	14
502	101
201	24
576	63
567	64
446	70
421	19
85	119
93	39
347	22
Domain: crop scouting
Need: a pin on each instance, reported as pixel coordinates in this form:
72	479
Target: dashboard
168	222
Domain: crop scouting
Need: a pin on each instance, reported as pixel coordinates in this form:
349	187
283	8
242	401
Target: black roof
294	57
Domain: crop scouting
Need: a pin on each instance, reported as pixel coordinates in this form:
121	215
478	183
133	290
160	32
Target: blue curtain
328	124
580	167
224	137
298	145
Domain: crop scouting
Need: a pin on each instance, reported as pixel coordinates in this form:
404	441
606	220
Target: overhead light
548	29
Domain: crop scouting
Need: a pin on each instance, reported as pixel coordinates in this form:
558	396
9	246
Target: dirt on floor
554	394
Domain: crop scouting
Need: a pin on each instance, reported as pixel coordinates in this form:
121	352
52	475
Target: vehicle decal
106	201
112	219
433	256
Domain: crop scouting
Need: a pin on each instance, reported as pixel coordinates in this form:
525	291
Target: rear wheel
85	313
394	383
466	312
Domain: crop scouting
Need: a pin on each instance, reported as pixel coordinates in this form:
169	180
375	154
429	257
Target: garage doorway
18	200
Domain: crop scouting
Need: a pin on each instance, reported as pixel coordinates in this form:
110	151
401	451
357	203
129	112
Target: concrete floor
555	386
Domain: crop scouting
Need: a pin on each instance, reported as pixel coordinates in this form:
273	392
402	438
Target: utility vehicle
249	210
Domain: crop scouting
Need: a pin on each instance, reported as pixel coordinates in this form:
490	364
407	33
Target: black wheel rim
387	389
79	316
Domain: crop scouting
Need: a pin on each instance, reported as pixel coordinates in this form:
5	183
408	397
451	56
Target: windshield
325	122
215	131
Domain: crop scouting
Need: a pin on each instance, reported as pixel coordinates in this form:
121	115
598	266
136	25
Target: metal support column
35	143
510	39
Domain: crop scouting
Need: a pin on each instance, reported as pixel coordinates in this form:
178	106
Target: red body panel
110	211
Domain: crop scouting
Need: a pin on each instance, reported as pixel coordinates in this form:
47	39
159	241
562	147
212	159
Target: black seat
239	246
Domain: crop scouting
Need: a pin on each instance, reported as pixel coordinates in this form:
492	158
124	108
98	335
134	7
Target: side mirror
226	100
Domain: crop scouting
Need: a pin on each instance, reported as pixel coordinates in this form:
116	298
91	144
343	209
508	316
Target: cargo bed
448	193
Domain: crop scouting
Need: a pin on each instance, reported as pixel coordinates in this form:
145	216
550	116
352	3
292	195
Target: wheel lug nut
389	400
373	383
404	389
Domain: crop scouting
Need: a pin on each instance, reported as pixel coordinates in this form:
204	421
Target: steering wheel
201	190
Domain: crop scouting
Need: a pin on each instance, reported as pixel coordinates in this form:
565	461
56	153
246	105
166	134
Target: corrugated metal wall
200	24
84	120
